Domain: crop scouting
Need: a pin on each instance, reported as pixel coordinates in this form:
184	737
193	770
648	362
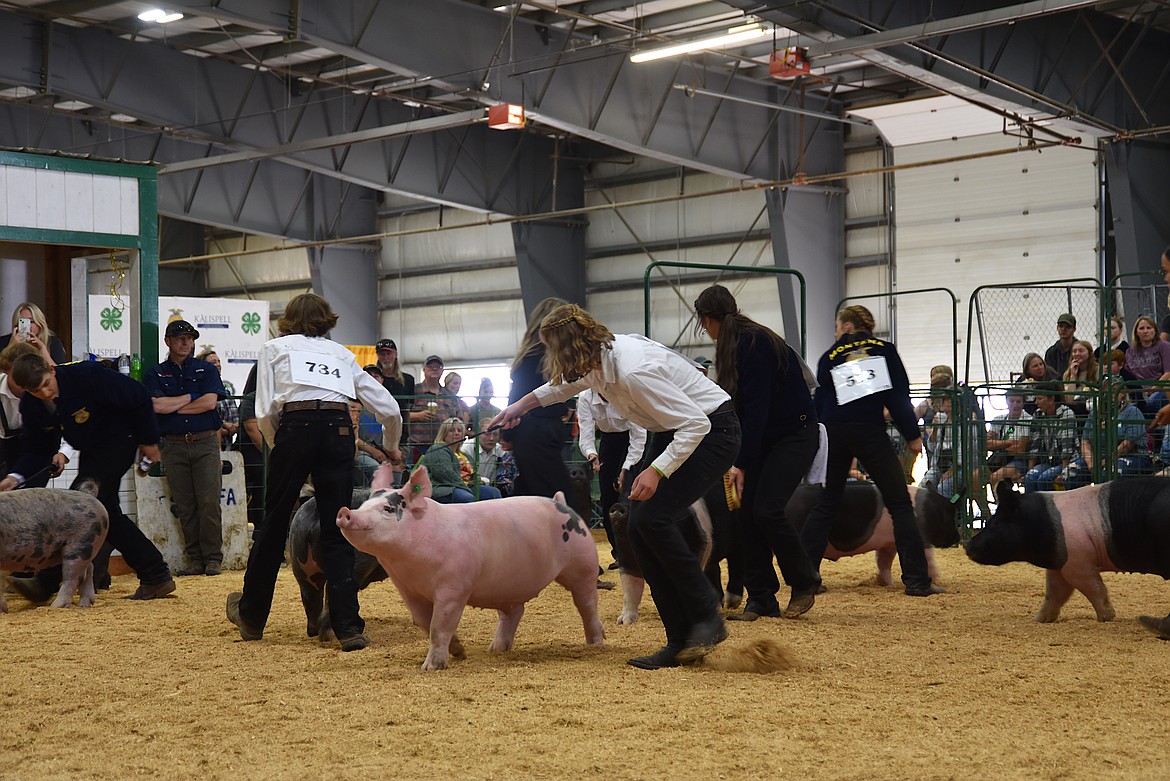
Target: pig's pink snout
343	517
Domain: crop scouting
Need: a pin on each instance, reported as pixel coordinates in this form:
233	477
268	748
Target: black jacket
868	409
771	400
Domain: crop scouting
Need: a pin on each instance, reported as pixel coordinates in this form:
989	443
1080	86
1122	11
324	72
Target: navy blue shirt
95	405
194	378
868	409
771	400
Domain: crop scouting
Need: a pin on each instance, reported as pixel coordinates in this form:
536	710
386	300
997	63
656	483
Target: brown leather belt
193	437
301	406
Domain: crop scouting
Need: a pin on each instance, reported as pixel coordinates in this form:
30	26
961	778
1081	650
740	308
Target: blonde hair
530	342
203	355
445	429
38	317
857	315
13	351
573	340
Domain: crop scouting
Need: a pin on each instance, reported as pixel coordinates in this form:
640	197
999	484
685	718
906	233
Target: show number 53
864	376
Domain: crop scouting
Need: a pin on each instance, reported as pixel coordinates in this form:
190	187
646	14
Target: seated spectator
369	428
941	377
1034	370
366	456
453	382
1116	336
1081	379
506	469
937	441
229	413
1058	355
1054	443
484	454
37	328
443	466
483	408
1007	440
1148	357
1132	451
1119	371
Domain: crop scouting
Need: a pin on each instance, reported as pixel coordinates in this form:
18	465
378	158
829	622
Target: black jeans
612	451
106	463
681	592
764	529
871	445
317	443
537	444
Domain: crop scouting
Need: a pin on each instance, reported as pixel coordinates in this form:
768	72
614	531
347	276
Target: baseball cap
373	368
181	328
386	344
433	359
1067	319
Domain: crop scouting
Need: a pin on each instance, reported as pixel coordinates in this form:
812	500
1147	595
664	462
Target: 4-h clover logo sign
111	319
250	323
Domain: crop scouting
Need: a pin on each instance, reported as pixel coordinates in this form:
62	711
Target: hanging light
734	37
506	116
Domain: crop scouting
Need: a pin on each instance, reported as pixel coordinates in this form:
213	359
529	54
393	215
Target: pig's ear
383	478
1006	497
419	486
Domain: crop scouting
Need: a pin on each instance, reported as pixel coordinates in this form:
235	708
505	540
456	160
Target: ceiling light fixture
159	16
734	37
506	116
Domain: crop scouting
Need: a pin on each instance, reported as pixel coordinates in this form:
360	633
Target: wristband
660	472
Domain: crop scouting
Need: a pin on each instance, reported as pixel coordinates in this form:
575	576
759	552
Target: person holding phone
28	325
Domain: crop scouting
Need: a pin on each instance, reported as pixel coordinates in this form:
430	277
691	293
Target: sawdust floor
959	686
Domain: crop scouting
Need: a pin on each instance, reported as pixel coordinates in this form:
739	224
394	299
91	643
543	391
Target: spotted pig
1122	526
44	527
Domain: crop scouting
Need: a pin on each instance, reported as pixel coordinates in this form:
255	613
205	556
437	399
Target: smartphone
24	325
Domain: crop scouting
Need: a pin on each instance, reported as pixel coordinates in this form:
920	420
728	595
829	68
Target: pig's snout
344	519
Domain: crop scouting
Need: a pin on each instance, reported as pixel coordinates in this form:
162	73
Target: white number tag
858	379
321	371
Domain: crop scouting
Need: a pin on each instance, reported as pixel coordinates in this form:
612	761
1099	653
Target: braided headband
572	317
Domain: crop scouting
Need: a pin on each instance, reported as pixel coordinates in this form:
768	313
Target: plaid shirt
1055	437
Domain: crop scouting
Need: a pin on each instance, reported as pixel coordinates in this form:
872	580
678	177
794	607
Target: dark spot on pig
573	525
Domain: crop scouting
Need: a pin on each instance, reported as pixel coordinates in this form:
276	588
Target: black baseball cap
433	359
386	344
181	328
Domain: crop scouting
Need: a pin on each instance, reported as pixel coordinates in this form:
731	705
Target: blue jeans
1041	477
464	495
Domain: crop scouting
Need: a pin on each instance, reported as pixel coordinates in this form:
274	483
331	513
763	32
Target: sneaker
213	568
666	656
352	643
233	615
31	589
153	590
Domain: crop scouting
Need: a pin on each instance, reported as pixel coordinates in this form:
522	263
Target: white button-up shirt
276	387
593	414
651	386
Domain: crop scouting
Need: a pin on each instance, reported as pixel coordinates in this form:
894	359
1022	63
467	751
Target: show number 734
322	368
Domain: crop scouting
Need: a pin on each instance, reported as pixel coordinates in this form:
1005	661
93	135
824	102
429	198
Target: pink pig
491	554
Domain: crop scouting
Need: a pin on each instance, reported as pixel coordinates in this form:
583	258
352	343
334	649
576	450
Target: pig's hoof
1045	617
456	649
730	602
430	665
603	585
1107	615
626	619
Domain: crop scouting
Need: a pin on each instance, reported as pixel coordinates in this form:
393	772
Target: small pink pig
491	554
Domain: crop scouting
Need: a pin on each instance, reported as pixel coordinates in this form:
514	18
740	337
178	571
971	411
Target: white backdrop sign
235	329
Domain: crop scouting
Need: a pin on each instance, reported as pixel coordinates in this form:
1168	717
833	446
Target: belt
301	406
189	437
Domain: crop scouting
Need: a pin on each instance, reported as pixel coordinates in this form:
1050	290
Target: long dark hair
718	303
530	342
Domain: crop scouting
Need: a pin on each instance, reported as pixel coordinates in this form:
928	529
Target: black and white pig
304	538
1121	526
863	524
44	527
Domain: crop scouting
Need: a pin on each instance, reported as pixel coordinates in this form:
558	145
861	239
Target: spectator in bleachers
432	405
1055	440
453	382
483	408
1081	378
1034	370
1117	335
444	468
1059	354
941	377
1132	450
399	383
485	455
937	441
38	328
366	457
1120	372
1148	357
1007	440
